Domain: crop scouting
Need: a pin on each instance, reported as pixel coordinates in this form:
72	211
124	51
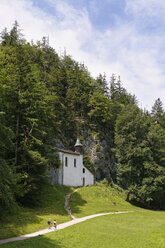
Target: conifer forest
47	100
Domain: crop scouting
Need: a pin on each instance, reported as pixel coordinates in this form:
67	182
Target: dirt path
66	206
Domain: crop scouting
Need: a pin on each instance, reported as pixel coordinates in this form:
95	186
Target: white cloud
122	50
32	20
148	8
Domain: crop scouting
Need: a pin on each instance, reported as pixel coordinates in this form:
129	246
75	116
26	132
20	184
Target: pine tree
157	110
119	93
140	152
7	177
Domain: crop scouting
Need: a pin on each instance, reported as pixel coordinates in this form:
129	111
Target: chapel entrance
83	181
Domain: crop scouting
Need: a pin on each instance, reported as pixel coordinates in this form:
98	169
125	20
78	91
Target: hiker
49	223
55	224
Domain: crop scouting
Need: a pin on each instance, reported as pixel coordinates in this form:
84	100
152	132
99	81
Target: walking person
55	224
49	223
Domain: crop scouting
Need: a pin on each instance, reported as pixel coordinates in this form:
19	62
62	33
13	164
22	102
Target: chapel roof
66	151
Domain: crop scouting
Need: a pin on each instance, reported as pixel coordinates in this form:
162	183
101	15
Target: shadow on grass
15	226
37	242
75	202
27	220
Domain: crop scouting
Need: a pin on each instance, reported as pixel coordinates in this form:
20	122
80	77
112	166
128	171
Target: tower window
83	170
74	162
66	161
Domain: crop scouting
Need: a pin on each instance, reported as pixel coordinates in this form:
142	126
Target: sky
121	37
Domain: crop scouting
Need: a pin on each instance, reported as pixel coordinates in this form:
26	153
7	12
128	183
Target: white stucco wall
89	178
73	176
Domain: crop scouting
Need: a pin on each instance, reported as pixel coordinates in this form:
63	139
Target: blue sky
102	14
124	37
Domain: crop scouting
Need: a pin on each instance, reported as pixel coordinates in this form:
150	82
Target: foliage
45	98
7	179
157	110
140	151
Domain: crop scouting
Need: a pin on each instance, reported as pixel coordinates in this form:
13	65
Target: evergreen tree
140	150
119	94
157	110
7	177
100	110
158	113
101	83
29	109
132	148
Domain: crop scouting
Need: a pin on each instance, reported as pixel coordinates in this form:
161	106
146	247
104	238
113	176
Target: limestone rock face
98	149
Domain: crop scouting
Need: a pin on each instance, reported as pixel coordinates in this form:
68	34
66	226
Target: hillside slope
28	220
99	198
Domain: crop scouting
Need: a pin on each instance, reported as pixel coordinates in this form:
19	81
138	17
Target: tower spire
78	146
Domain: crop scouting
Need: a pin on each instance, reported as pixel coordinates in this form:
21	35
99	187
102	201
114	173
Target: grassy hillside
27	220
99	198
131	230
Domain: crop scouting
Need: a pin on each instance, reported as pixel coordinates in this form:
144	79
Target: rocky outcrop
98	149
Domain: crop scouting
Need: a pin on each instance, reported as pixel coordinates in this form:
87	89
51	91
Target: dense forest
48	100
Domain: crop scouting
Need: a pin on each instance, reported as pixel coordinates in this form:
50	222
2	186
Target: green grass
131	230
99	199
86	201
28	220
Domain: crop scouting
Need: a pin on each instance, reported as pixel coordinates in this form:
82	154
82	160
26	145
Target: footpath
60	226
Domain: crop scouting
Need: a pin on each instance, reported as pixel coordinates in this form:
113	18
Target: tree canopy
46	99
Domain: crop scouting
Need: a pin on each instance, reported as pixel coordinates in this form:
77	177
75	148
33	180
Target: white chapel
72	172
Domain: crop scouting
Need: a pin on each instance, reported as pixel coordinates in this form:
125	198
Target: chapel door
83	181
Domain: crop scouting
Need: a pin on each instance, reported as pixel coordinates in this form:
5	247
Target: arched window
74	162
83	170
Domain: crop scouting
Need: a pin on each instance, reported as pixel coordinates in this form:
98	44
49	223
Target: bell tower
78	146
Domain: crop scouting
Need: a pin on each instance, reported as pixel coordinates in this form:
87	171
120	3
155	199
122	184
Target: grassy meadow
86	201
131	230
28	220
99	198
139	229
